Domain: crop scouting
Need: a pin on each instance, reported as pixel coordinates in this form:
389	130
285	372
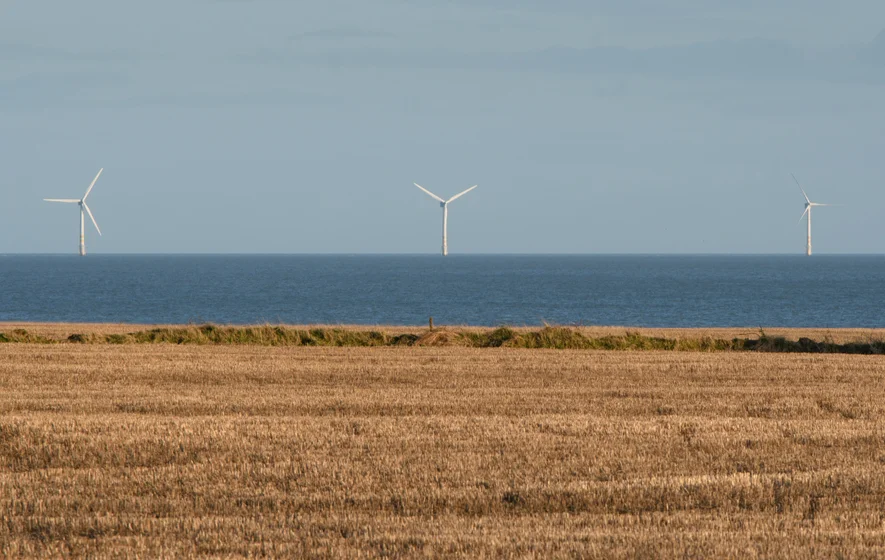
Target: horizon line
436	254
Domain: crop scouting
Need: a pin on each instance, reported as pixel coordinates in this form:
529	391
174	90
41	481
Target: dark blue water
676	291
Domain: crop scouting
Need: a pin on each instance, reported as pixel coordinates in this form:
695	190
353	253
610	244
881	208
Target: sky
263	126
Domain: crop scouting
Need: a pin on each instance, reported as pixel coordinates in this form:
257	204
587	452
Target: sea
484	290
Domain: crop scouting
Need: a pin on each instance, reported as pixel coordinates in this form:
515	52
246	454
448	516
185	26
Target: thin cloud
875	53
26	52
344	33
56	89
751	59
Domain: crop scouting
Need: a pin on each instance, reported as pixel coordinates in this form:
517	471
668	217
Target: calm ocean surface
673	291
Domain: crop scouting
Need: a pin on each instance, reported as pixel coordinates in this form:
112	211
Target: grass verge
548	337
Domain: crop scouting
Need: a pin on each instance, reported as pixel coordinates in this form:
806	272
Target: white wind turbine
444	204
83	206
808	206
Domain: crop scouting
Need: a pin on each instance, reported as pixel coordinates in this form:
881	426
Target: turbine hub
442	204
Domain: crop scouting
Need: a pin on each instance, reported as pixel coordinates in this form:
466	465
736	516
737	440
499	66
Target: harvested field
166	450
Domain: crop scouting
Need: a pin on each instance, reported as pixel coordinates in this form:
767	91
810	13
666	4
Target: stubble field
164	450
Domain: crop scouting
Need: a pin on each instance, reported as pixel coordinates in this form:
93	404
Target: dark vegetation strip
562	338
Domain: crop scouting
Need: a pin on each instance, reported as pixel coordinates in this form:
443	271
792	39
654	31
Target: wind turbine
808	206
444	204
83	206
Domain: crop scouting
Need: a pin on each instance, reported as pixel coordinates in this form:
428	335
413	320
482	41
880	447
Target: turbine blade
89	190
459	195
801	189
807	208
428	192
68	200
88	211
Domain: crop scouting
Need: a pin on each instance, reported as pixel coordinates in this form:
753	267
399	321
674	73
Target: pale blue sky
591	127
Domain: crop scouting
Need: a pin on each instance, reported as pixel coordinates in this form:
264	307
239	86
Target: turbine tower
808	206
83	207
444	204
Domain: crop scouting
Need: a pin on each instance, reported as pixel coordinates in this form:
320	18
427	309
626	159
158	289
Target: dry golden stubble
237	451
